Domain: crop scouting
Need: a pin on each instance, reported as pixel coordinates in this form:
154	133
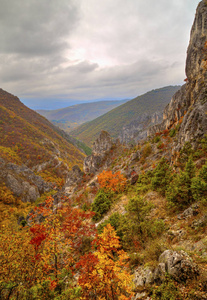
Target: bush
146	150
179	191
157	228
156	139
114	220
166	291
172	132
204	142
185	153
199	185
161	176
136	227
101	204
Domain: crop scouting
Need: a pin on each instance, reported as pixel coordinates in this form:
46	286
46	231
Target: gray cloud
36	27
84	50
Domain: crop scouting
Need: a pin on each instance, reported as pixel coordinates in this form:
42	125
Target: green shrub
199	185
156	139
204	142
185	153
179	191
114	220
161	176
138	209
143	183
172	132
157	228
136	226
101	204
166	291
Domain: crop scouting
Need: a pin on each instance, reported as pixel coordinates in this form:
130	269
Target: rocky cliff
188	107
101	147
22	182
137	129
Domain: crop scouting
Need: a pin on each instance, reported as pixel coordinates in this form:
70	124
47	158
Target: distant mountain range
140	109
72	116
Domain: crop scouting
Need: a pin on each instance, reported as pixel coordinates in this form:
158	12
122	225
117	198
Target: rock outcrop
22	181
176	264
188	107
137	129
74	177
101	147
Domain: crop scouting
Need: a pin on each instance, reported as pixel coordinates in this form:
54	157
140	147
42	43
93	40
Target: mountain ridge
114	121
72	116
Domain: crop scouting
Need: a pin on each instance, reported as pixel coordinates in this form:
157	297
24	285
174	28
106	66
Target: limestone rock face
190	102
137	129
74	177
22	181
102	144
143	276
101	147
176	264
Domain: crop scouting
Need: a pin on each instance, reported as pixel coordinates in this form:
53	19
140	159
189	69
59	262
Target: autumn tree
112	182
103	273
41	255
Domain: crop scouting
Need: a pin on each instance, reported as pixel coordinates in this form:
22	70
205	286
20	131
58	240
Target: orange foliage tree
103	273
39	254
112	182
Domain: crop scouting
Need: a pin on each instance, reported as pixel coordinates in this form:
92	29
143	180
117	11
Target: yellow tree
103	273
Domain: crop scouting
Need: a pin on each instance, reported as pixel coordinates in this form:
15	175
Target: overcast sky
53	52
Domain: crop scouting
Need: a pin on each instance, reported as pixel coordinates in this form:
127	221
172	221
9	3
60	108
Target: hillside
30	141
132	223
72	116
113	121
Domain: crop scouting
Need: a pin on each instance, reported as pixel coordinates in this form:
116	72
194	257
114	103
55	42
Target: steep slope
187	111
113	121
30	145
69	117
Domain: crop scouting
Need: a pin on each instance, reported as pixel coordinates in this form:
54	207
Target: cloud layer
54	51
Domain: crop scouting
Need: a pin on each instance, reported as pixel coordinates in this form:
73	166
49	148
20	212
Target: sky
54	53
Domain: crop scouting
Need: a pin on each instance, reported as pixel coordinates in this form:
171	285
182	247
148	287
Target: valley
117	208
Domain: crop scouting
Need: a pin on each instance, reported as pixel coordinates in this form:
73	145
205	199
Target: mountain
145	109
30	147
132	223
73	116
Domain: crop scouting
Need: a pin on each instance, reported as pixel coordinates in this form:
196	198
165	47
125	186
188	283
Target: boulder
189	212
177	264
143	276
